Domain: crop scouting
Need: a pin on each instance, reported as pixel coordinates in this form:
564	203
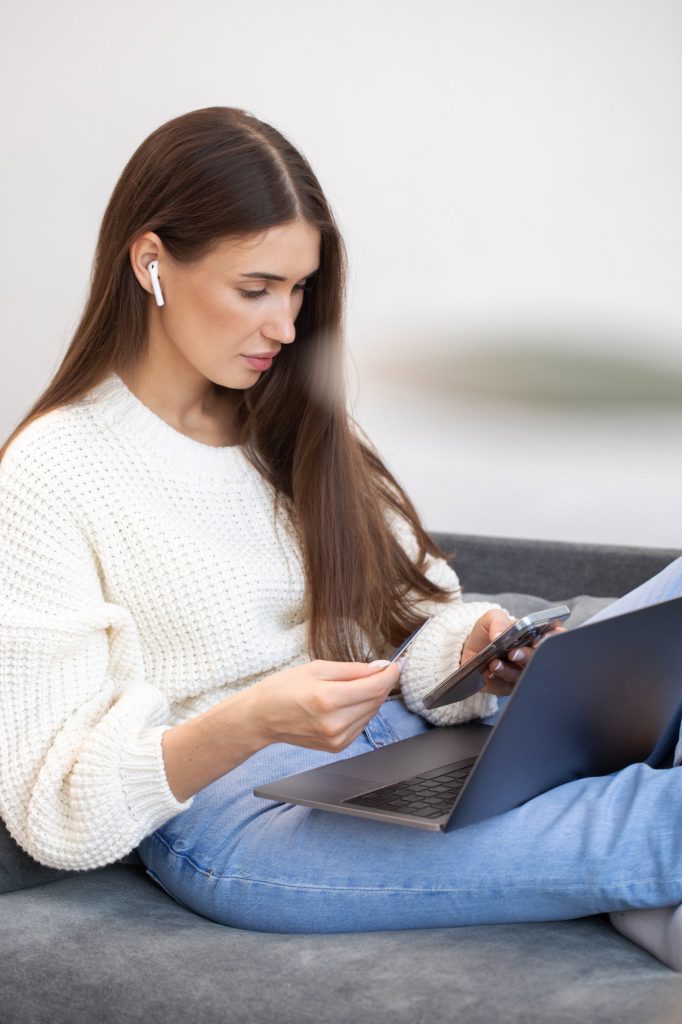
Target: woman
201	560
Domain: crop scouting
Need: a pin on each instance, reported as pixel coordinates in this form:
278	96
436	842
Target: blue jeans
589	846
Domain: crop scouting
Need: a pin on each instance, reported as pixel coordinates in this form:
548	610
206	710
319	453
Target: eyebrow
263	275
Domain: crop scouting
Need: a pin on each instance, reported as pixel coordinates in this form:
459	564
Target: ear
144	249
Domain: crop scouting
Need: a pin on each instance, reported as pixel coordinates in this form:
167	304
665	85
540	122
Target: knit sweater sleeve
82	776
437	651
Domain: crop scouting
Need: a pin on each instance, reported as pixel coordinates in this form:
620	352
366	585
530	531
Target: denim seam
360	889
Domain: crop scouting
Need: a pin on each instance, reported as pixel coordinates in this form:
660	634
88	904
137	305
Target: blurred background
506	175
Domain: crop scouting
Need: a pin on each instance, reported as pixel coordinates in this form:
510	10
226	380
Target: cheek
226	312
217	313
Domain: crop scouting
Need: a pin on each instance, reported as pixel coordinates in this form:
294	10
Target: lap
591	845
230	800
257	863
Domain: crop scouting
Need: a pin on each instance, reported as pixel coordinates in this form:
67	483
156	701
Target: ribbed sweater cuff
437	657
144	781
480	704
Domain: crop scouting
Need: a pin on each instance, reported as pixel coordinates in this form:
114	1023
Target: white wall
506	176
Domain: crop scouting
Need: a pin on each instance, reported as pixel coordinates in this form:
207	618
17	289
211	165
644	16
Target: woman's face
227	307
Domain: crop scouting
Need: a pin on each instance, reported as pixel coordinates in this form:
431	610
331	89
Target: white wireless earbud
153	269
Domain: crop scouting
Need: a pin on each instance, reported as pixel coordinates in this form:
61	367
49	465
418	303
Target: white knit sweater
144	578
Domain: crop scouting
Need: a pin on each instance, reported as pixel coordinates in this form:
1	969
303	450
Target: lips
259	364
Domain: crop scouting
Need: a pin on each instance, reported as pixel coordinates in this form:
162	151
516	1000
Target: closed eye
263	291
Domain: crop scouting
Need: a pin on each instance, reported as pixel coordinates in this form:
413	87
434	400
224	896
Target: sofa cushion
111	946
582	607
18	870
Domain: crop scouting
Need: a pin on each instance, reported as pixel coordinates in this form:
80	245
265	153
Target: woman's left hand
502	672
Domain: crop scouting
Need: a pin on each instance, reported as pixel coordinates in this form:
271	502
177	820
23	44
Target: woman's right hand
324	705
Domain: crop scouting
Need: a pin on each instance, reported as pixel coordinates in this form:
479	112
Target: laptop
589	702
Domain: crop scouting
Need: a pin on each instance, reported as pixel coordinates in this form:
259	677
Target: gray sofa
109	946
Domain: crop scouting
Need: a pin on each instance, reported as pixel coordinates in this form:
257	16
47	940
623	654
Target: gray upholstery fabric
18	870
582	607
551	568
111	947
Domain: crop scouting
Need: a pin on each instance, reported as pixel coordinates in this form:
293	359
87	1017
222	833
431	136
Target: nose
281	328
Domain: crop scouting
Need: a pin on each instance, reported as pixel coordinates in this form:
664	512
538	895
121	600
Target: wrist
244	708
262	733
200	750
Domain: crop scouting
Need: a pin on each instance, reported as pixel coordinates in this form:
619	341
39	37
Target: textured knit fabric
144	577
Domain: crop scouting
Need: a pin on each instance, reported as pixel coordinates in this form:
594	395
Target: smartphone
466	681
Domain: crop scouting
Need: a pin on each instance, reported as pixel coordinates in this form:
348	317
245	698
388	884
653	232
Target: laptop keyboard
427	795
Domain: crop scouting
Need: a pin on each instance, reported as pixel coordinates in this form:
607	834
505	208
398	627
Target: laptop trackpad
319	784
350	776
400	760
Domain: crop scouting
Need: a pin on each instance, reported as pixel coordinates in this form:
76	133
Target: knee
675	567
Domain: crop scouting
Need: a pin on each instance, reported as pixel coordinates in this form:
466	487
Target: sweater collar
125	412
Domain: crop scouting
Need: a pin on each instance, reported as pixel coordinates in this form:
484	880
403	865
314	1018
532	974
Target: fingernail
401	661
376	664
496	665
516	656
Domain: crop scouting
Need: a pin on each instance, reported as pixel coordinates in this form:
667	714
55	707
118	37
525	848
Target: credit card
406	643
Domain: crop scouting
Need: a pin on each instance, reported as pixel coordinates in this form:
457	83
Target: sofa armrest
552	569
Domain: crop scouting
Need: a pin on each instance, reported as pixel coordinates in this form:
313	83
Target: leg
664	586
658	930
589	846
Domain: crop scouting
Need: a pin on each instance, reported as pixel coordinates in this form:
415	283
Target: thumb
488	627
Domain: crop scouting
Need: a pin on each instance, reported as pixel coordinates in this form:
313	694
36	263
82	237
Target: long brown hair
220	172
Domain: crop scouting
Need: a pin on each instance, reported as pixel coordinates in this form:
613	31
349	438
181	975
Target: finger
372	688
353	733
360	721
502	670
490	625
556	629
520	656
342	670
550	632
498	622
350	727
498	687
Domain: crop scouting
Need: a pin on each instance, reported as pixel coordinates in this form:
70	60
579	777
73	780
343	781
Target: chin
230	379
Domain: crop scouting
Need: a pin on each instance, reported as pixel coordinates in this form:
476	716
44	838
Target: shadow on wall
537	373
